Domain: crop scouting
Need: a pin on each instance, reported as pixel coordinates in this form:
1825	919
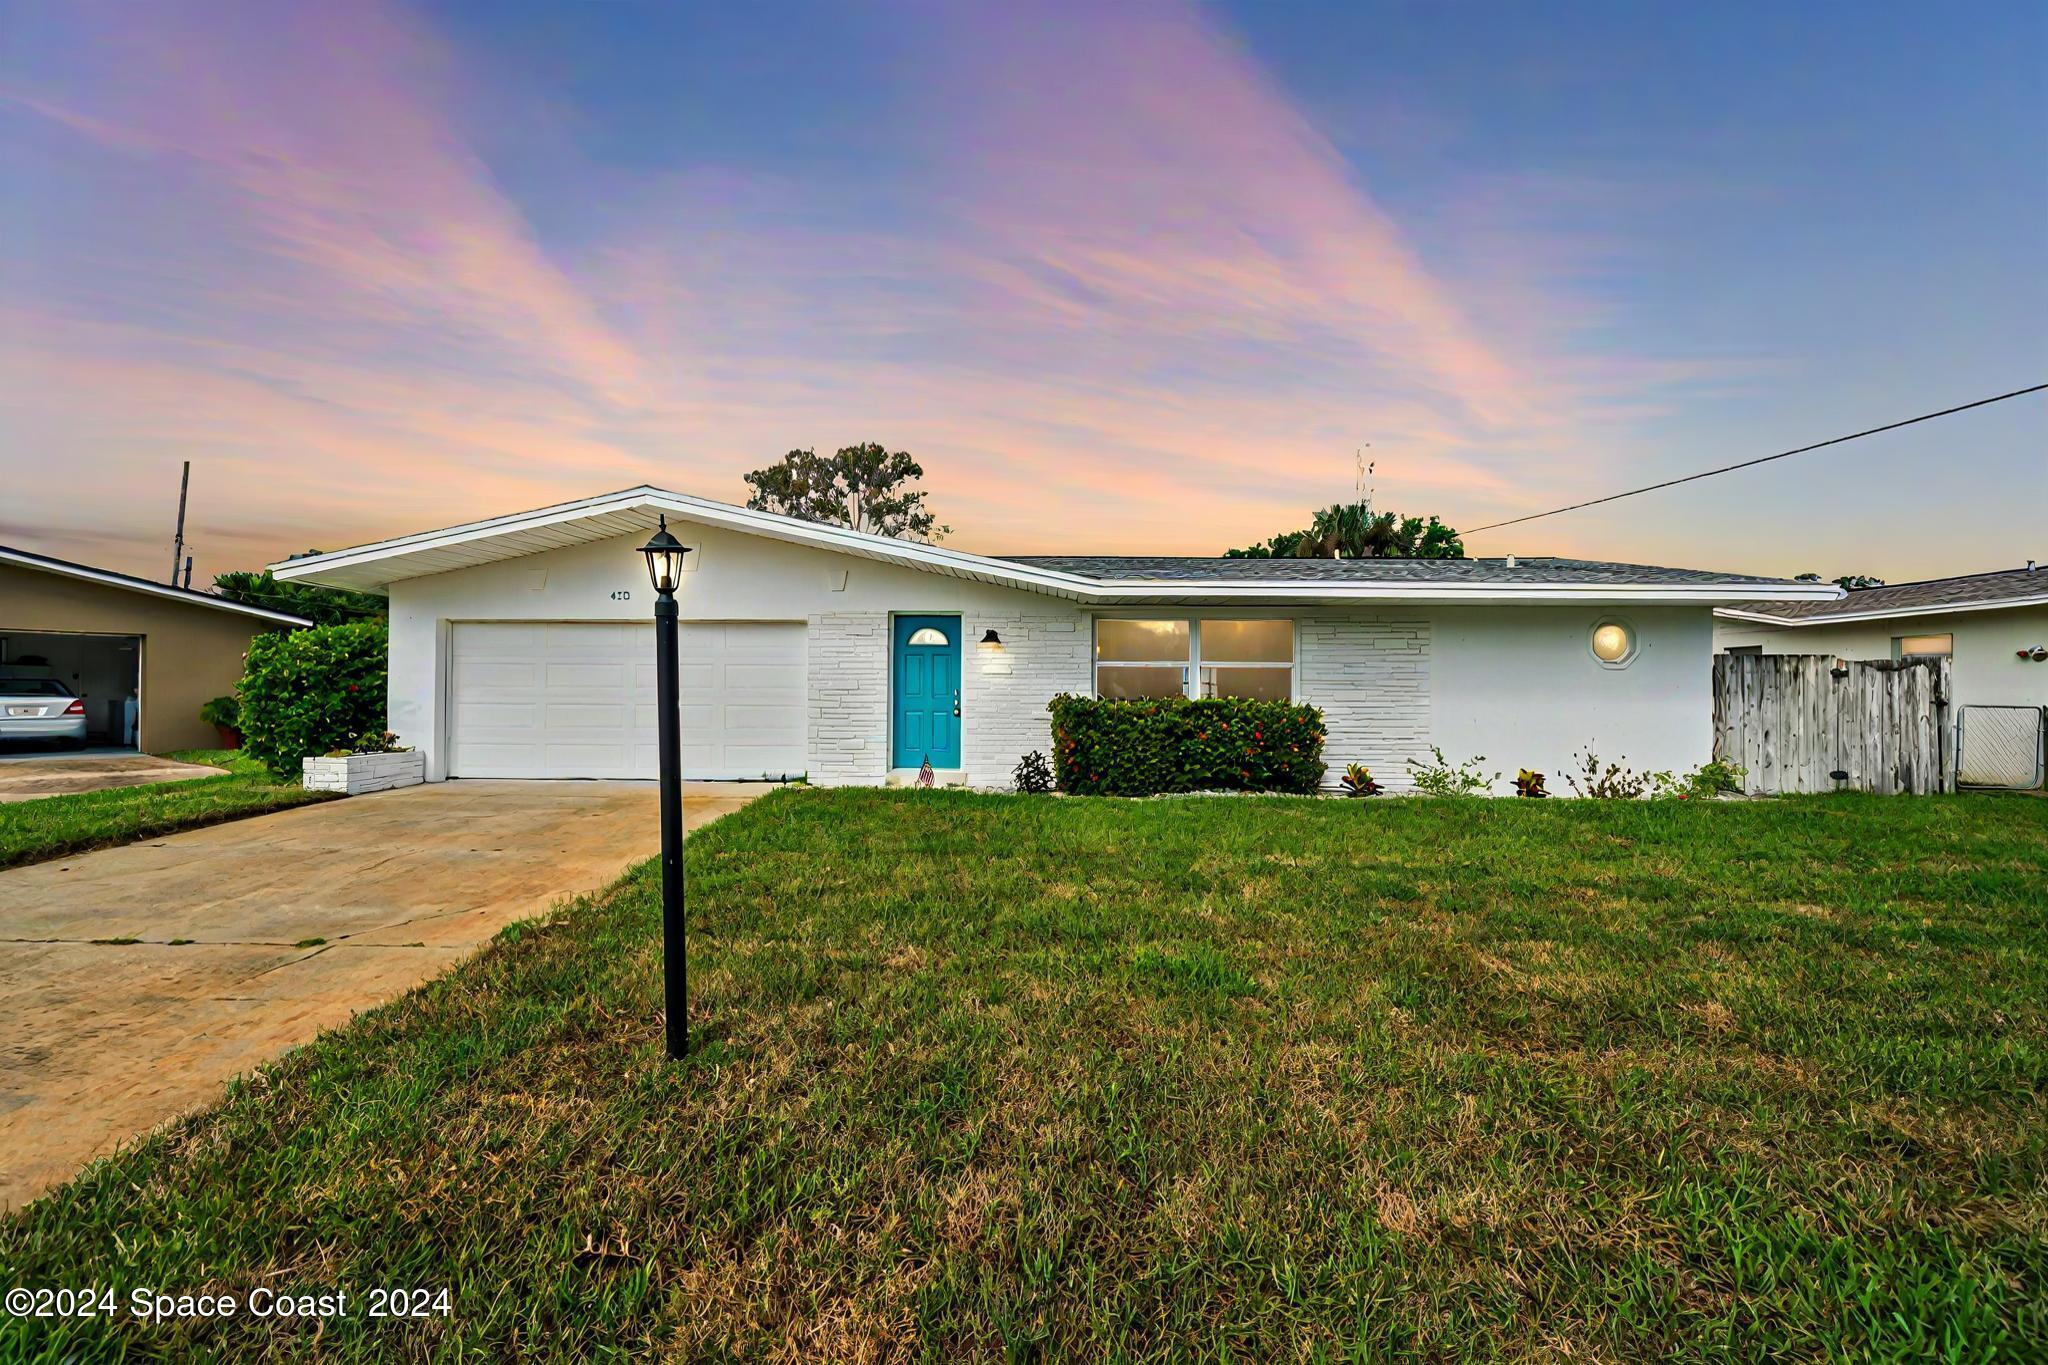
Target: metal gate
1999	746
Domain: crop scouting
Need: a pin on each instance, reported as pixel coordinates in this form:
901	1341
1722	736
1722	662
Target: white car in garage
41	709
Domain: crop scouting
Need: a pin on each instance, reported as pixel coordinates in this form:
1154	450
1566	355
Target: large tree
865	487
1355	531
321	606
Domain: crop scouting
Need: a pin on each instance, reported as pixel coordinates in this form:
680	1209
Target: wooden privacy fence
1796	721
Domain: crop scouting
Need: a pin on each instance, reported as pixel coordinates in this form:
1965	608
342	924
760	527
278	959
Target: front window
1923	646
1253	659
1141	659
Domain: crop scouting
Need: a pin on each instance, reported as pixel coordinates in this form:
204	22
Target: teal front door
925	682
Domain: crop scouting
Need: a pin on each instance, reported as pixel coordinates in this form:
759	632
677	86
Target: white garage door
557	699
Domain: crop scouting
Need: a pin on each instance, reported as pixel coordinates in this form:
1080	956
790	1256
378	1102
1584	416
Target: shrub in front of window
310	692
1175	744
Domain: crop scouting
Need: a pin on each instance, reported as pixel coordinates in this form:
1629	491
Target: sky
1135	277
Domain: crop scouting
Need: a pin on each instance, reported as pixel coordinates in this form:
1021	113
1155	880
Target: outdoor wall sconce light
991	640
1839	671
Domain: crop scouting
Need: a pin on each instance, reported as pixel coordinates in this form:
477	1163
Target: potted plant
224	714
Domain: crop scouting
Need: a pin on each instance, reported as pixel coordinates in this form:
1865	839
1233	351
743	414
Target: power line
1761	459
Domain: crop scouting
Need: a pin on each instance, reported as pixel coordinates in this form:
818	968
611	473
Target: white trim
370	568
1840	617
117	580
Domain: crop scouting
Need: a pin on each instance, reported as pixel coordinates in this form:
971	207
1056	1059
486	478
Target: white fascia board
1849	618
189	596
1007	573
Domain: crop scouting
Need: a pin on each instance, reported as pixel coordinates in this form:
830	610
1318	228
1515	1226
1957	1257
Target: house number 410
622	596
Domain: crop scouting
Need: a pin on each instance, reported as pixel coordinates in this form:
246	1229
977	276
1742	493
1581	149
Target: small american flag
924	772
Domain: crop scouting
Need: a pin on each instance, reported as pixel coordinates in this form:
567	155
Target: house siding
1005	692
1369	674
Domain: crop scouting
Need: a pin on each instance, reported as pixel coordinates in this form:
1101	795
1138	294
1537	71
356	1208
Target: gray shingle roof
1970	590
1112	568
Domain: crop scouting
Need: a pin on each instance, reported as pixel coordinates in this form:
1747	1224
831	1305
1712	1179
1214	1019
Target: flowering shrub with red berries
309	692
1141	748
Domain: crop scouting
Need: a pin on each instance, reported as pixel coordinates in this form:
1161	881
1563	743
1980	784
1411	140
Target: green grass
1032	1079
55	826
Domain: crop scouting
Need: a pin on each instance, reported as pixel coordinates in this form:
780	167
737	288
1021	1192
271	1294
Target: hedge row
1140	748
308	691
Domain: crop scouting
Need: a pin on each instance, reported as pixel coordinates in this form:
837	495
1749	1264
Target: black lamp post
665	570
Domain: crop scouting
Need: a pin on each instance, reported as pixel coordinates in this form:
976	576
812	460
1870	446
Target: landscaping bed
982	1076
55	826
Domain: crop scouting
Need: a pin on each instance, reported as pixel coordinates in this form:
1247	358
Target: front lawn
1241	1079
54	826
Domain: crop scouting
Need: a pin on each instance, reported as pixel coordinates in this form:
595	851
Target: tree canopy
321	606
1851	581
866	487
1355	531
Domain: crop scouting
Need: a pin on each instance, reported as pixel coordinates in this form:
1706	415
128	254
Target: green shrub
224	712
311	691
1445	778
1033	774
1140	748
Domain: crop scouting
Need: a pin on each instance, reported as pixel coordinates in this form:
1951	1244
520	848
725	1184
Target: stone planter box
359	773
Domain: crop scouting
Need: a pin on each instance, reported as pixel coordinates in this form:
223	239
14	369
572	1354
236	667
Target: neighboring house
1981	622
520	647
145	656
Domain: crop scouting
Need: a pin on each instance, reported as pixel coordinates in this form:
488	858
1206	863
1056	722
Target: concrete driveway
26	776
137	980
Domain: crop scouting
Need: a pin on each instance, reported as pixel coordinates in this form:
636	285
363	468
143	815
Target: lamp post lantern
665	570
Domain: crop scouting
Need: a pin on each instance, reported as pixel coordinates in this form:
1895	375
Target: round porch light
1613	643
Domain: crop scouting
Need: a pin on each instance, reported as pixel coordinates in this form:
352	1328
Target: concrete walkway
250	938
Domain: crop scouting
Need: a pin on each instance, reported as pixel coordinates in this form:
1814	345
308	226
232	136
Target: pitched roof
2002	589
1091	580
1520	569
86	572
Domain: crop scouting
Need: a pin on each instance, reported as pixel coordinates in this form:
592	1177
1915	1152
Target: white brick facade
1369	674
848	727
1004	692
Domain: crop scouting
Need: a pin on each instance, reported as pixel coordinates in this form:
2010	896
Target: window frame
1899	650
1193	665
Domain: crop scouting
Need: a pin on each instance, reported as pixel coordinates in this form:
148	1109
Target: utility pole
178	546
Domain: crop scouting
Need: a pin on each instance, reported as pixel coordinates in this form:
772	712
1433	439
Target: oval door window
925	635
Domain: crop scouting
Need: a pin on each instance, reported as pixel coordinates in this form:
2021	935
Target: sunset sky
1126	277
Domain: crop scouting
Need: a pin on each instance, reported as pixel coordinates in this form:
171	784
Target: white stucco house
522	646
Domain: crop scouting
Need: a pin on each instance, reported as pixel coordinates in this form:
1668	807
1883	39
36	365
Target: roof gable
64	568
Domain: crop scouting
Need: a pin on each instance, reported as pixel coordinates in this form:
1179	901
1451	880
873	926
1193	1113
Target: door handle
956	705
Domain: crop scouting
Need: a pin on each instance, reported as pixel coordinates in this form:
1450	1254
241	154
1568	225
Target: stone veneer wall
1369	672
849	705
1004	692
